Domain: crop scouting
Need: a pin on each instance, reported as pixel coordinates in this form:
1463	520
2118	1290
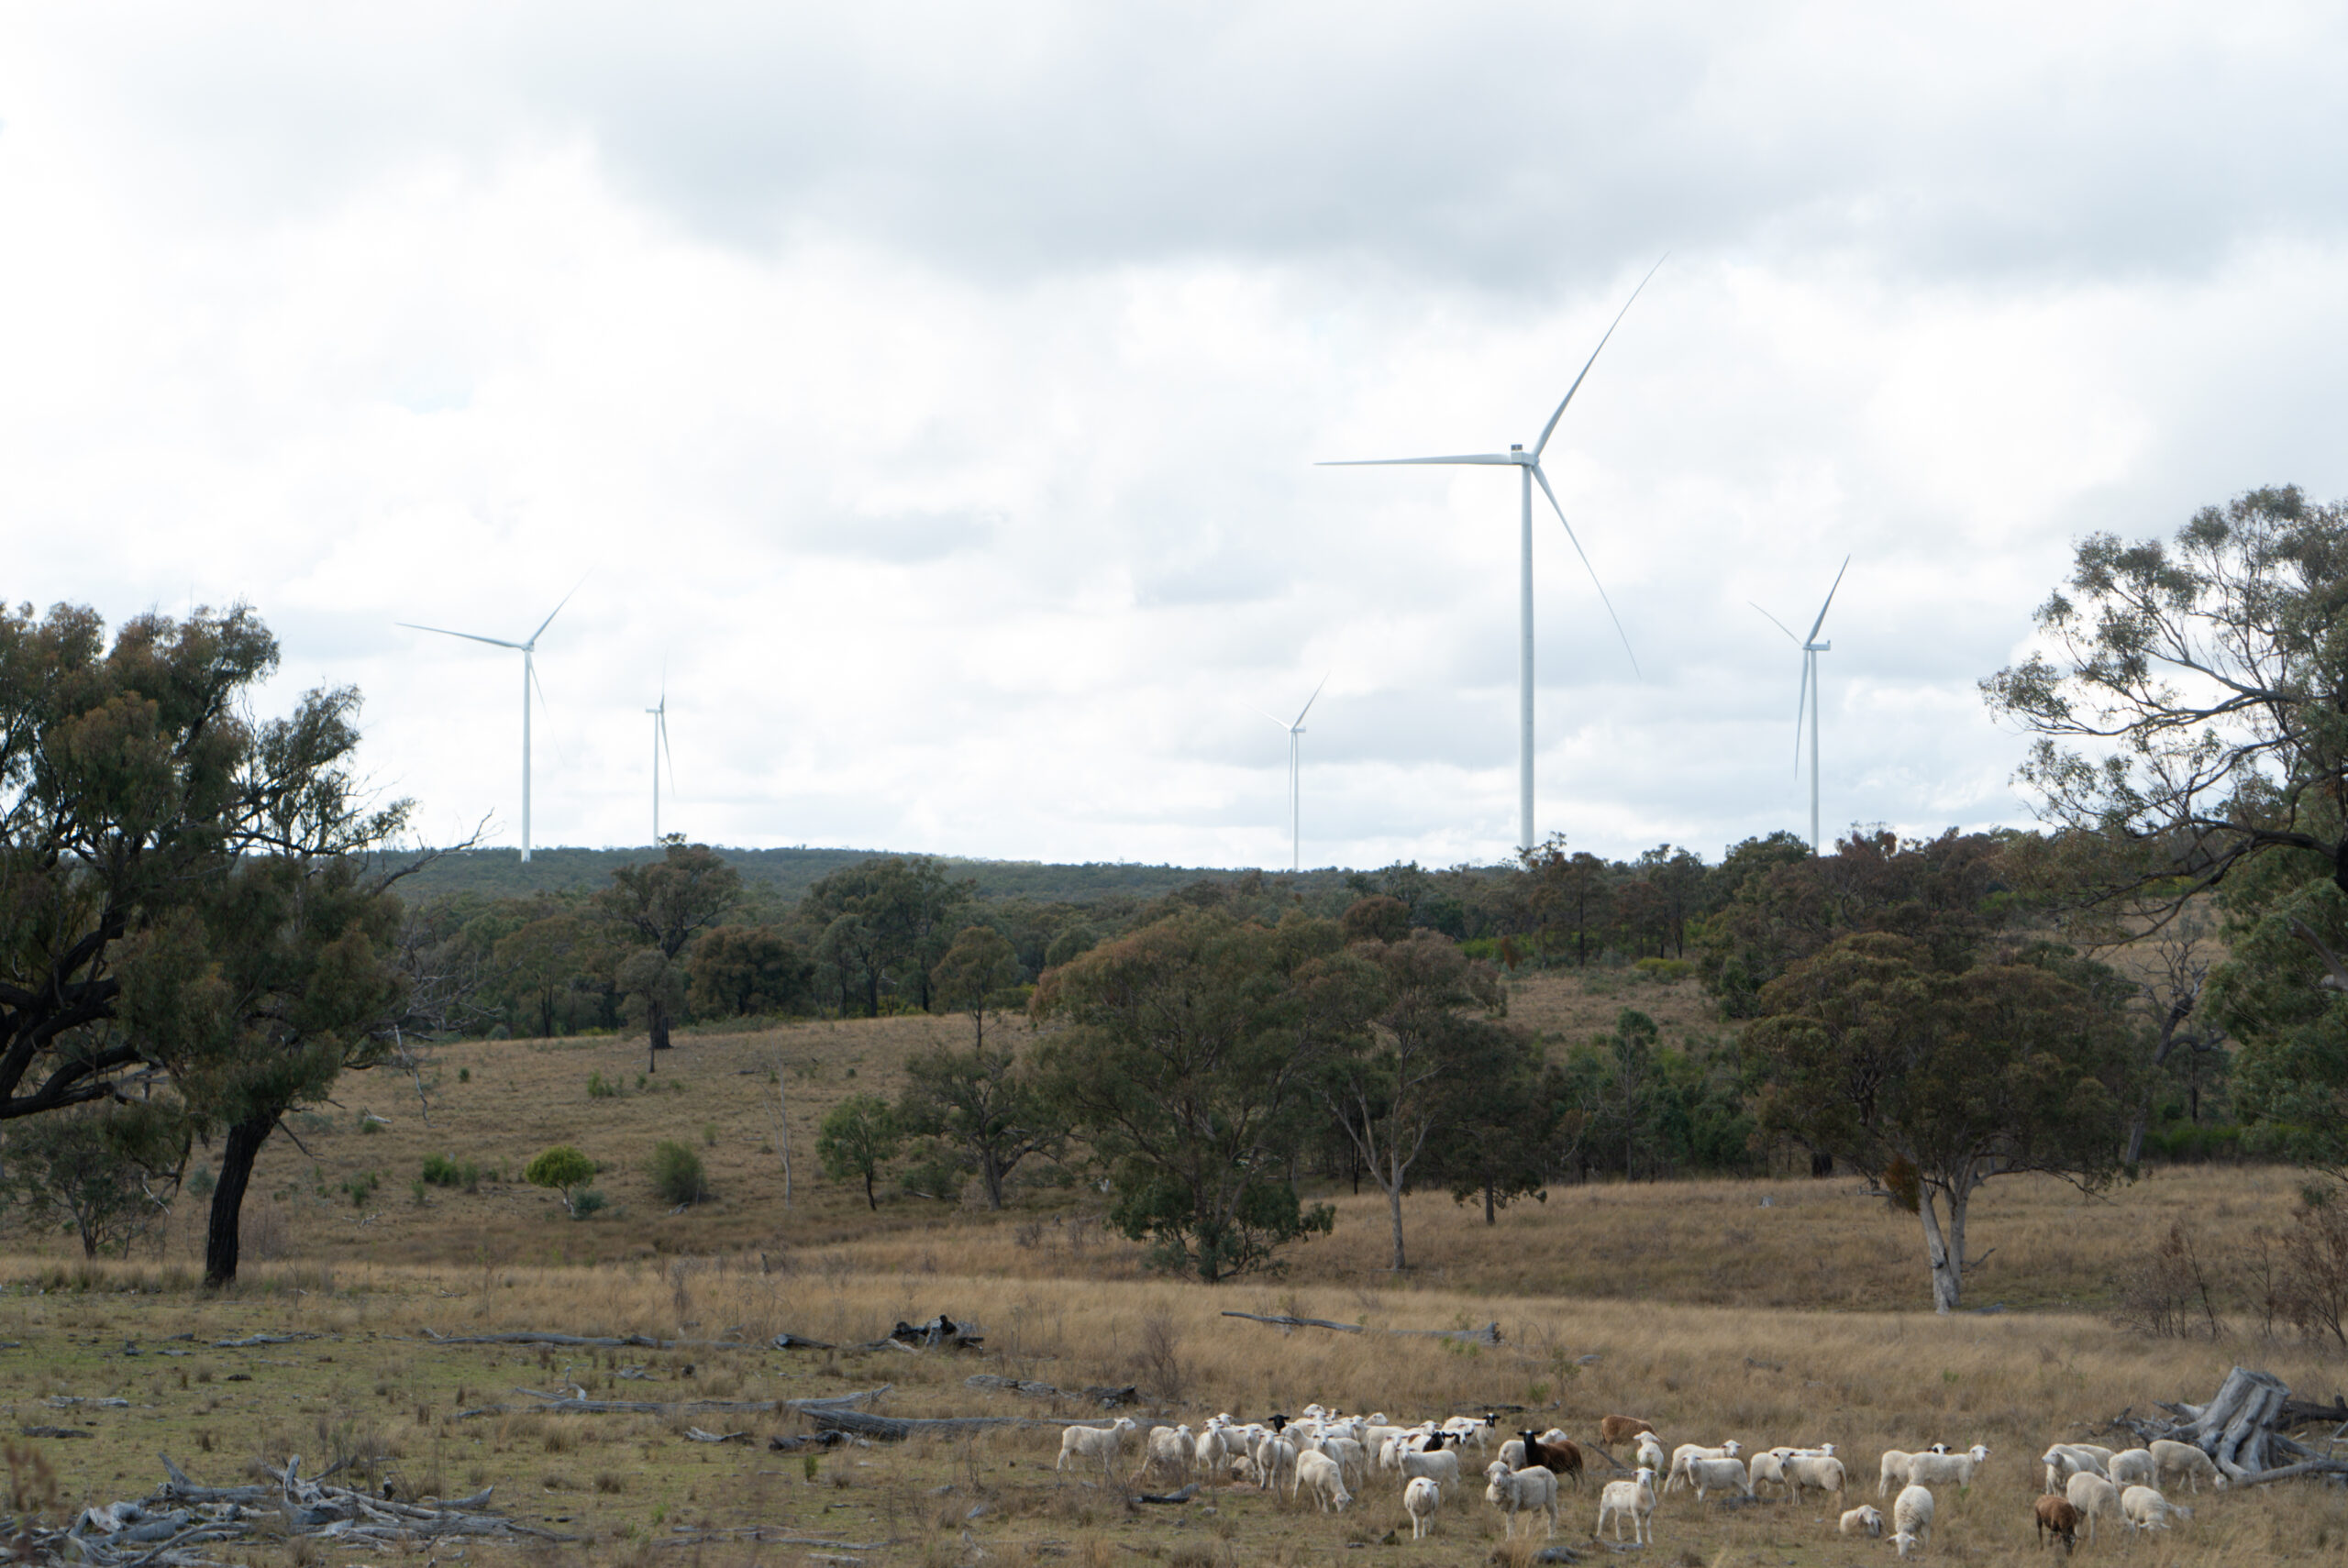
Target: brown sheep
1554	1453
2057	1518
1615	1430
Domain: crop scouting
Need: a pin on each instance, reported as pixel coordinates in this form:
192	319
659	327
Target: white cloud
934	393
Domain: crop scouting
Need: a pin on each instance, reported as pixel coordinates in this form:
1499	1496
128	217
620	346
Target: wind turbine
530	680
1811	648
1528	467
659	750
1295	790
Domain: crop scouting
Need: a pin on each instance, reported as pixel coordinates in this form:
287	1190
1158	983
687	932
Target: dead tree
2243	1428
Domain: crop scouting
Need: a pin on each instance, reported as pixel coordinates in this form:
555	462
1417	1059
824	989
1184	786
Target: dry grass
1713	1308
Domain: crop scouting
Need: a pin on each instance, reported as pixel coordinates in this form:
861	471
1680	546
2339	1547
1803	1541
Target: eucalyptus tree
662	905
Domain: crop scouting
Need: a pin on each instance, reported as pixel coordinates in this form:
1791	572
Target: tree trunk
991	1168
1821	1165
1945	1256
873	1202
1492	1209
236	1156
1394	1206
656	1023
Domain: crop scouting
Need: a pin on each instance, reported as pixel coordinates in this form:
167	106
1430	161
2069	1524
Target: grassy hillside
786	873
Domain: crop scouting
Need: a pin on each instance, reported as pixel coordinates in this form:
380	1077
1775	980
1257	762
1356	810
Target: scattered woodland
2000	1138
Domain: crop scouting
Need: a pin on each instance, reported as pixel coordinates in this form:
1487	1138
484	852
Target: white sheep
1894	1467
2131	1467
1946	1469
1420	1498
1635	1498
1767	1470
2066	1460
1318	1474
1465	1430
1911	1517
1349	1455
1650	1453
1171	1447
1687	1451
2145	1508
1520	1491
2172	1460
1513	1454
1274	1459
1821	1472
2093	1495
1094	1442
1440	1466
1863	1520
1718	1475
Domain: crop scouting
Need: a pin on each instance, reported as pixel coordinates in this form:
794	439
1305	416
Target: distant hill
786	873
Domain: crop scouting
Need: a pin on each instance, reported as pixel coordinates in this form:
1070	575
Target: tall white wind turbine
1811	648
1295	788
1528	467
660	749
530	680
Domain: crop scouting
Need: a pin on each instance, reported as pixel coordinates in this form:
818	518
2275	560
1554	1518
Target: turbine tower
660	749
1295	790
1528	467
530	680
1811	648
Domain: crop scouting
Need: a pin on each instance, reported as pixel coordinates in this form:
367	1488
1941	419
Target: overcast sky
933	391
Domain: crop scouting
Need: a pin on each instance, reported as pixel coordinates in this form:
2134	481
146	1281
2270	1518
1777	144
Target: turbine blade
1591	570
1546	429
663	721
1310	701
1830	599
1801	706
469	636
1282	723
1399	462
558	609
1780	625
544	706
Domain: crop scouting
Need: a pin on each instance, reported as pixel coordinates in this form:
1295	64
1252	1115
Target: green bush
442	1171
601	1088
362	1187
566	1170
676	1174
582	1204
1665	968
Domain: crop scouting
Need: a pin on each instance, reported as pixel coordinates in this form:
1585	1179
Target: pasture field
1772	1311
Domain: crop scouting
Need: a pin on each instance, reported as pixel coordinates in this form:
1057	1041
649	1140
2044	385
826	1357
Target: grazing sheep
1947	1468
1349	1455
2093	1497
1635	1498
1275	1459
2058	1519
1552	1452
1821	1472
2171	1459
1894	1468
1613	1429
1440	1466
1320	1474
1767	1470
1865	1519
1171	1447
1420	1498
1094	1442
2130	1468
1718	1475
1523	1491
2066	1460
2145	1508
1513	1454
1911	1517
1687	1451
1650	1453
1465	1430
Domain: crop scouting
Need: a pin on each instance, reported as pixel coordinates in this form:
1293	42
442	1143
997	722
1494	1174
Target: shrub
442	1171
362	1187
1666	969
676	1174
587	1202
601	1088
563	1168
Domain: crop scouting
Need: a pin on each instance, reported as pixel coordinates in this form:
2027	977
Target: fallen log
1108	1398
695	1434
2238	1427
1490	1334
251	1340
897	1428
1184	1495
838	1401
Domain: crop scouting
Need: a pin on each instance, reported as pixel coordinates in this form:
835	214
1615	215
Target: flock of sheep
1323	1453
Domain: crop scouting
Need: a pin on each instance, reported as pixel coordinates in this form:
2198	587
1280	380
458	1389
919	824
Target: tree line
200	931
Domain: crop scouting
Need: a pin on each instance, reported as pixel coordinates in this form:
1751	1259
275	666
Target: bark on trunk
1944	1255
1394	1206
1491	1208
236	1157
991	1169
869	1199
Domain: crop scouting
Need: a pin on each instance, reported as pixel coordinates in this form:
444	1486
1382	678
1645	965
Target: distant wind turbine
660	749
1811	648
530	680
1528	467
1295	789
